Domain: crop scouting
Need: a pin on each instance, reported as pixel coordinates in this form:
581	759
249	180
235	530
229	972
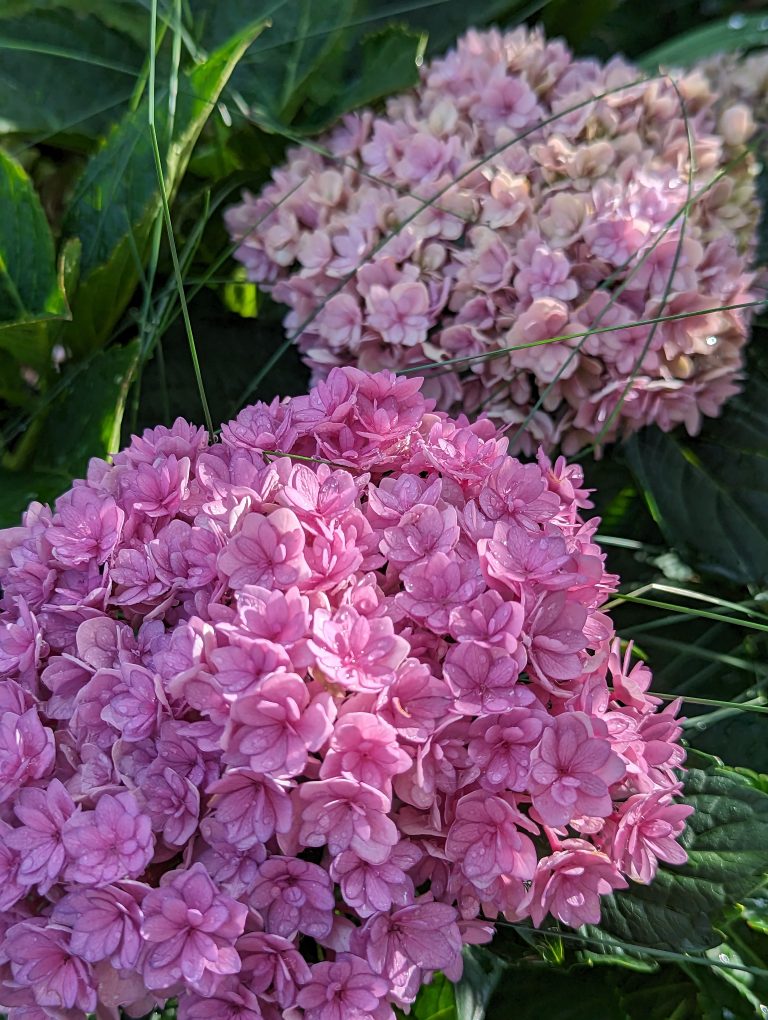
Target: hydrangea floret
515	196
289	719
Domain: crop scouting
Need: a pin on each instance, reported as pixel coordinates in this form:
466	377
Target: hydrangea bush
288	719
557	193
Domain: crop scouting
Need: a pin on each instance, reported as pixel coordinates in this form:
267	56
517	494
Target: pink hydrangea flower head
347	814
43	814
646	832
105	923
289	704
42	961
26	750
486	840
584	174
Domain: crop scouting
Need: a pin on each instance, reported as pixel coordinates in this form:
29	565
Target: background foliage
120	307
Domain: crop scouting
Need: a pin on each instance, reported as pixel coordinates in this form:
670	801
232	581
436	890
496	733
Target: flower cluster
515	196
340	680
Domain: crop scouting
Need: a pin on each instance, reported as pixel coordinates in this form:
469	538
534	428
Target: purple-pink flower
190	929
42	961
293	896
486	840
110	843
572	769
569	883
343	989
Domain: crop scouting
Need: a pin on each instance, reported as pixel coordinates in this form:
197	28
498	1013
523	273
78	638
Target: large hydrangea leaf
31	293
118	198
726	840
708	494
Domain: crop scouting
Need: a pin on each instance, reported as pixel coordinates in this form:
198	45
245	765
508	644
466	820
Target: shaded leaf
482	973
738	32
540	991
19	488
118	198
40	52
31	292
445	22
83	422
709	494
387	64
275	75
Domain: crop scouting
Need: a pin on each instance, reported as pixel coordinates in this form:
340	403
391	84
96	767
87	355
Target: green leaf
709	493
85	420
118	199
575	21
738	32
755	912
726	840
435	1001
275	75
446	21
82	422
542	992
240	295
388	64
482	973
19	488
668	995
31	292
64	73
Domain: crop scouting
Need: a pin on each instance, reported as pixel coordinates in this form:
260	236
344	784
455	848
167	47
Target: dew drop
763	26
711	341
763	1009
737	21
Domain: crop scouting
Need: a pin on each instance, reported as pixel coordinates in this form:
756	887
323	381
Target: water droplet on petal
737	21
711	341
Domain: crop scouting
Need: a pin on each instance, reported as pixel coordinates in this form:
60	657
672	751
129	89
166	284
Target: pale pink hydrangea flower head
494	209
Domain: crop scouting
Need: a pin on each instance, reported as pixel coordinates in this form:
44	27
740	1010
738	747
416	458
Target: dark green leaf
82	422
668	995
64	73
482	973
726	840
274	77
446	21
31	293
19	488
118	198
85	420
738	32
387	64
575	21
709	494
540	991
